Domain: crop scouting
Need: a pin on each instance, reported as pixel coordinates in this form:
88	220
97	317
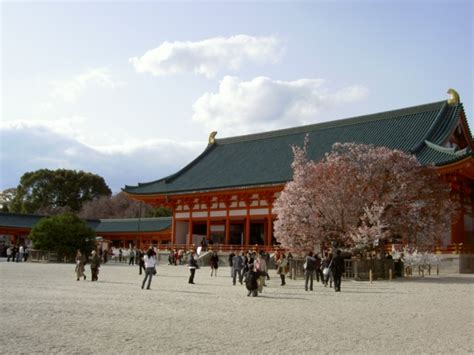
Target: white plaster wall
181	232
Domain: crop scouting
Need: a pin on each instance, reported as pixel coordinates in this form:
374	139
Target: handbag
154	271
326	271
305	265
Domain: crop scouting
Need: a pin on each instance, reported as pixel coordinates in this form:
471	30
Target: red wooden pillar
247	224
227	222
269	230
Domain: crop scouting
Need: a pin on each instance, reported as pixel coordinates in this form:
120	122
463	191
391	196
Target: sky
131	90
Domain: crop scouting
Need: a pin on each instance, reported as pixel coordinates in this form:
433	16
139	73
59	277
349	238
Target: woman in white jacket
150	270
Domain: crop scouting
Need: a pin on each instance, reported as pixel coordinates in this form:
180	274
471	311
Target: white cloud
264	104
70	90
208	56
28	146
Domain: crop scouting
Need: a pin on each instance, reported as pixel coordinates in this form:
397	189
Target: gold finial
212	137
454	99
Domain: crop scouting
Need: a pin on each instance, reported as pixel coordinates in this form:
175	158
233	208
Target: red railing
216	247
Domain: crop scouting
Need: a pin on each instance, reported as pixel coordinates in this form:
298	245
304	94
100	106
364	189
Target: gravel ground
45	310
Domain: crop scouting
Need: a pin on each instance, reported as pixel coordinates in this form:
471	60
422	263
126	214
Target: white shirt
149	261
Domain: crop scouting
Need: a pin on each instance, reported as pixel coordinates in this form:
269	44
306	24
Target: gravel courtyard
45	310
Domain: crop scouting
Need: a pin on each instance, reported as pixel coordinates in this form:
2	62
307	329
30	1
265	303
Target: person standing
337	269
19	256
192	265
238	264
317	268
95	264
150	263
309	271
132	257
327	273
80	265
231	260
282	268
26	253
214	263
251	281
9	253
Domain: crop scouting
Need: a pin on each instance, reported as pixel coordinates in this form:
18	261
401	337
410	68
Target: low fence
46	256
456	248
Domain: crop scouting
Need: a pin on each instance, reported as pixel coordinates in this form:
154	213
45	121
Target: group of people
250	268
328	270
81	261
17	253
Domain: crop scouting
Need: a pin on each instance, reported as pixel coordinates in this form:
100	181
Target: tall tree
116	206
63	234
120	206
360	193
6	198
55	191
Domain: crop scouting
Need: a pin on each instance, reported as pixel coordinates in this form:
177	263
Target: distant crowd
17	253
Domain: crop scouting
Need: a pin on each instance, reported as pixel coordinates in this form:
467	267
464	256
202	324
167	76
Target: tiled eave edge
223	190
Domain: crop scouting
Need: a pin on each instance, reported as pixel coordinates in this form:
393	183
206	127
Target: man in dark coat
337	268
95	264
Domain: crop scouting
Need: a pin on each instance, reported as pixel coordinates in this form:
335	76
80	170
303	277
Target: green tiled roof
17	220
265	158
133	225
125	225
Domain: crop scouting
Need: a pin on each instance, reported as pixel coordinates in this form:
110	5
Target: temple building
226	194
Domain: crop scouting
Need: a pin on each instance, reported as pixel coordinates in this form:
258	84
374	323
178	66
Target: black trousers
282	277
337	282
191	277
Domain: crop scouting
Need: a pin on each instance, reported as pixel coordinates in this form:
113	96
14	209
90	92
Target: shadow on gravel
449	280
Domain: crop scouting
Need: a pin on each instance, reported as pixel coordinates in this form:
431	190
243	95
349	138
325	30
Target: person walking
309	271
95	264
80	265
192	265
141	262
337	269
214	263
327	273
238	264
282	268
150	264
261	268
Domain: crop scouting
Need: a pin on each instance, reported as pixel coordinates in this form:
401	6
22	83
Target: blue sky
131	91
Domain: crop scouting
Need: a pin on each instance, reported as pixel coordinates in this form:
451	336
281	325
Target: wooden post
429	269
437	269
370	275
390	274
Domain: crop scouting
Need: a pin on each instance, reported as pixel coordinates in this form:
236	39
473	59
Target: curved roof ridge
383	115
142	219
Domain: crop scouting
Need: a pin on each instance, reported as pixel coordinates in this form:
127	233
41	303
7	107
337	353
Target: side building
120	233
226	194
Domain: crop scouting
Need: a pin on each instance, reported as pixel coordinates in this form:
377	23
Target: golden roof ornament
454	99
212	137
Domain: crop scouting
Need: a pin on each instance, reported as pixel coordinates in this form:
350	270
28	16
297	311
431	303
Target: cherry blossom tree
359	194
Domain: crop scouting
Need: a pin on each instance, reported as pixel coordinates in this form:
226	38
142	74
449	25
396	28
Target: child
251	281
